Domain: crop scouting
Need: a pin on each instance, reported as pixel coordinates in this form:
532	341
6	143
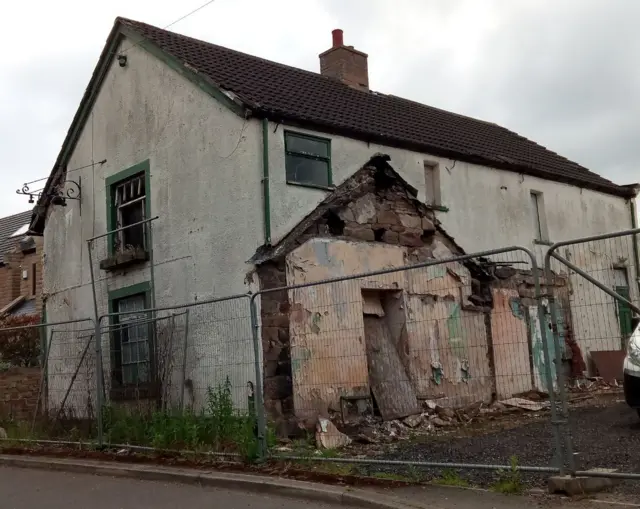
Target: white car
632	368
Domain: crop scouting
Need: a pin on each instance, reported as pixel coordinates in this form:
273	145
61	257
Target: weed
415	474
338	468
391	476
329	453
218	427
451	478
509	481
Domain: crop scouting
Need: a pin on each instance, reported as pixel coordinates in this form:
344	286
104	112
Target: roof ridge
353	110
133	22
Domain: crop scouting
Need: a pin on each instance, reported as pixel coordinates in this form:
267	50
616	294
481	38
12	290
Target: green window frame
308	160
119	388
112	182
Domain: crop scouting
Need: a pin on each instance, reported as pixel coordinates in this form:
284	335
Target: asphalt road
37	489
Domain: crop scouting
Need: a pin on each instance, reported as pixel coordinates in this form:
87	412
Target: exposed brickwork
6	289
384	215
346	64
19	393
278	387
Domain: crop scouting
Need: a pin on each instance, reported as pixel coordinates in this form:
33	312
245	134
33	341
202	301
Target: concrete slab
573	486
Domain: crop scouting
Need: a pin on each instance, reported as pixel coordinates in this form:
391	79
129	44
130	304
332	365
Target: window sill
311	186
543	242
123	259
439	208
149	391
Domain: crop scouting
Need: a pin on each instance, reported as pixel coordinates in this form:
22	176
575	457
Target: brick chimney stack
345	63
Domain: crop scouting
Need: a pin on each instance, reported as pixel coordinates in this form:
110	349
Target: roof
19	306
8	228
376	174
288	94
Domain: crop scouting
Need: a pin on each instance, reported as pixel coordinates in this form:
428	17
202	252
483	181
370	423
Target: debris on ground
594	384
440	423
328	436
413	421
437	419
429	404
525	404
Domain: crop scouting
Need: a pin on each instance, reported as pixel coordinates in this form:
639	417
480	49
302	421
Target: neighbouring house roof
377	173
19	306
284	93
10	227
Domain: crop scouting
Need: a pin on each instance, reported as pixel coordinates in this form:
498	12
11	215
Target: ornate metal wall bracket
69	190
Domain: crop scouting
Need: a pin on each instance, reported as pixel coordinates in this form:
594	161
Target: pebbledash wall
206	187
204	165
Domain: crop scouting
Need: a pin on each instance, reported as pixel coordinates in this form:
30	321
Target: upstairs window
432	184
129	204
307	160
539	217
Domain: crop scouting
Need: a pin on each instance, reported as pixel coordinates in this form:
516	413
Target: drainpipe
266	200
634	225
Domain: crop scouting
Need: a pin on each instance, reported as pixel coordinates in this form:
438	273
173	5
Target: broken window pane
130	203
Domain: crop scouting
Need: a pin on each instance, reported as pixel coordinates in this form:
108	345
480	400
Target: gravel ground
605	437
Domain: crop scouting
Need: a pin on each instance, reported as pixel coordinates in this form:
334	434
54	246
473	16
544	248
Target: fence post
259	394
184	360
98	336
562	391
555	424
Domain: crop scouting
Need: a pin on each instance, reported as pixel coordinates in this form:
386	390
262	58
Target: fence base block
573	486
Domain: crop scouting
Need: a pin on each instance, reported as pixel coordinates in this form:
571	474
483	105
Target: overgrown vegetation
219	427
451	478
19	347
509	481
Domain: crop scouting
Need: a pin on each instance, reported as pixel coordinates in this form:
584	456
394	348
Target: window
432	183
131	345
130	203
539	219
307	160
127	205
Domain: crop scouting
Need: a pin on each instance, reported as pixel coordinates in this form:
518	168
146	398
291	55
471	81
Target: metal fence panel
399	358
591	332
53	398
180	377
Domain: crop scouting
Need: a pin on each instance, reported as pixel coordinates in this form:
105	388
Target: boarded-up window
432	183
538	215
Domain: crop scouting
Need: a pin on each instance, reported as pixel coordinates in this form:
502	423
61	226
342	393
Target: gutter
266	198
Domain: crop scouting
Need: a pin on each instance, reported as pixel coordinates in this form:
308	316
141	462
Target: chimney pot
345	63
337	38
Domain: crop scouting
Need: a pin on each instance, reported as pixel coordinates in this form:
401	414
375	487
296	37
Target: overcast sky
564	73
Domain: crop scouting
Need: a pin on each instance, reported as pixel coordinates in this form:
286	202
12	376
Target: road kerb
243	482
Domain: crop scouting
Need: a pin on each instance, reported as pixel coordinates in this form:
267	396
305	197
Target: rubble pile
433	419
